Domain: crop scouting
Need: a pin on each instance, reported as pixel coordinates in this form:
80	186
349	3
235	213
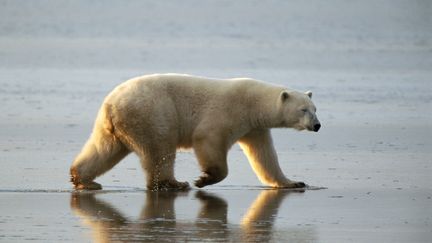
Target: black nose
317	127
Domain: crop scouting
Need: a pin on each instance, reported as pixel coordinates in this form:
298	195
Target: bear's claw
204	180
200	183
169	186
88	186
211	176
299	184
293	185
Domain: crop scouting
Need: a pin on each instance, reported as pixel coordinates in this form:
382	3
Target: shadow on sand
157	221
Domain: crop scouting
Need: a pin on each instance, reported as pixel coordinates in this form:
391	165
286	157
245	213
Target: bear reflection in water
157	222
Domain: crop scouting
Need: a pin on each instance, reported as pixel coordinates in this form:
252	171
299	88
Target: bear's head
298	111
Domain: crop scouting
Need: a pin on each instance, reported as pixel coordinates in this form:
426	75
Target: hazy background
219	35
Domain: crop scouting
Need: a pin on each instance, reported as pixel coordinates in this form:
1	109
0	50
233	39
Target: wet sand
371	82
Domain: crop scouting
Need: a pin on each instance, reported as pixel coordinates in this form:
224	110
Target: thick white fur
154	115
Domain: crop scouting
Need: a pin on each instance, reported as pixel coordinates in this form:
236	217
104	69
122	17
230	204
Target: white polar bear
156	114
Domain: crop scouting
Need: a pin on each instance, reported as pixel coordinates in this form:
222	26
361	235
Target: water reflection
157	221
259	220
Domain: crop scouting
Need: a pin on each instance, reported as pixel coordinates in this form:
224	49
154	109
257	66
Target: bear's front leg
258	147
211	153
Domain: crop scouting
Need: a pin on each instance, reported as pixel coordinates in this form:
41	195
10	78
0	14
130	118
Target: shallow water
249	214
367	63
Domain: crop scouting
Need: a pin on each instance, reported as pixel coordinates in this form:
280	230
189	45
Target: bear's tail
102	151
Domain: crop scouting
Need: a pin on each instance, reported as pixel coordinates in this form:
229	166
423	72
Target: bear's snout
317	127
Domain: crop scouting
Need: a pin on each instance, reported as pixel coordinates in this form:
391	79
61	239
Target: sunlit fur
155	115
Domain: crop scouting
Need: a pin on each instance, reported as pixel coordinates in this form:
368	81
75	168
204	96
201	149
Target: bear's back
190	94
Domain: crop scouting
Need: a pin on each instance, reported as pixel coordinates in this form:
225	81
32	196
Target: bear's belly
184	139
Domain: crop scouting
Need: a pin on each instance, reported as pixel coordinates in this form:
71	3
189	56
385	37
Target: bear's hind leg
97	157
159	168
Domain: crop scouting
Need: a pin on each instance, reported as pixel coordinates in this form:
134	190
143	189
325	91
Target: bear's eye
304	110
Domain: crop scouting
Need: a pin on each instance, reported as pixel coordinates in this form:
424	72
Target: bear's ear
309	93
284	95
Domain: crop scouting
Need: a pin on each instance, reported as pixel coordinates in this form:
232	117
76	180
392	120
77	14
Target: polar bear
154	115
